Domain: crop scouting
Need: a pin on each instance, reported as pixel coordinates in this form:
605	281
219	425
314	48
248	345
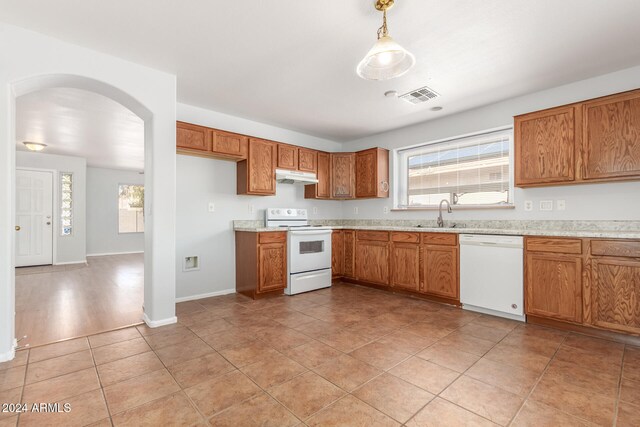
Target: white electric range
308	250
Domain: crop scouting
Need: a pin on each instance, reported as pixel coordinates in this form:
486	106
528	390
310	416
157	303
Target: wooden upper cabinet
230	145
611	137
372	173
287	157
307	160
615	294
256	174
544	147
343	175
440	271
192	137
553	286
321	190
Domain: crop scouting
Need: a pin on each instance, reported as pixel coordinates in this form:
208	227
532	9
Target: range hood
294	177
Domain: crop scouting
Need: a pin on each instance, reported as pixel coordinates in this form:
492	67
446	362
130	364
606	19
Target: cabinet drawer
379	236
272	237
400	236
617	248
554	244
447	239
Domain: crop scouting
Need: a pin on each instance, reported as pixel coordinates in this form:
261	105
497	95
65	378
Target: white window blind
472	170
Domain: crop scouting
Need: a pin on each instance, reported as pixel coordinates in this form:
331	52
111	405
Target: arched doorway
159	294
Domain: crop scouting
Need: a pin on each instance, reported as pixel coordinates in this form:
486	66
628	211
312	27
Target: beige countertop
608	234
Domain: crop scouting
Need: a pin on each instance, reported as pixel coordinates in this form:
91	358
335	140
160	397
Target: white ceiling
292	63
76	122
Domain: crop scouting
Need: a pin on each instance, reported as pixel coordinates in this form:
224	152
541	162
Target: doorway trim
159	289
55	214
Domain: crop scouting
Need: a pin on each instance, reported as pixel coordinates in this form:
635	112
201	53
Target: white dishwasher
491	275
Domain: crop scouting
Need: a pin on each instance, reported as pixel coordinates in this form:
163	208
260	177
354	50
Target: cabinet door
287	157
440	271
229	144
372	262
553	286
272	258
307	160
545	144
405	266
611	142
192	137
337	253
321	190
343	175
615	294
349	268
372	173
261	166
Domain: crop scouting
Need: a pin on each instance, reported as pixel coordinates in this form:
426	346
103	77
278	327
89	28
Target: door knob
17	228
48	222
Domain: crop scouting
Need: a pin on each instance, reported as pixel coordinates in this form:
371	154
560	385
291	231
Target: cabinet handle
384	186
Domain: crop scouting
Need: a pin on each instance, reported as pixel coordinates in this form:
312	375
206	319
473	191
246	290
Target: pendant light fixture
34	146
386	59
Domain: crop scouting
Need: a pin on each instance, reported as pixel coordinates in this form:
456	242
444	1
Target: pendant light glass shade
386	60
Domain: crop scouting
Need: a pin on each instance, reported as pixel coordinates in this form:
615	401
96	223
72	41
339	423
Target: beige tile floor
338	357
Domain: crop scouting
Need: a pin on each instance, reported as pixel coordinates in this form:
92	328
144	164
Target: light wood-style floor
60	302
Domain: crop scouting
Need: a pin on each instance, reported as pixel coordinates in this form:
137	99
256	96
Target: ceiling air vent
419	96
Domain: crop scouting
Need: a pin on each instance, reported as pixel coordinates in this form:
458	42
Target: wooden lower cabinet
349	251
372	261
440	271
261	263
553	286
405	266
337	253
614	300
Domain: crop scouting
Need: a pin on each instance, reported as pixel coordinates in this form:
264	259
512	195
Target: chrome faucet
440	220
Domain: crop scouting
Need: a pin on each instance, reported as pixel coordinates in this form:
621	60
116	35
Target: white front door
34	218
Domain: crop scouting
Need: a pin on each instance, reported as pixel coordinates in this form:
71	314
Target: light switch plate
546	205
315	210
561	205
385	210
212	207
528	205
251	208
355	210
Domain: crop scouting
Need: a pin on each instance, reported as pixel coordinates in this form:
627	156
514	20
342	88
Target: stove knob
289	211
276	211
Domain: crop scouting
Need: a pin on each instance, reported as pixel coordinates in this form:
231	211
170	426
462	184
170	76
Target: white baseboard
71	262
207	295
116	253
158	323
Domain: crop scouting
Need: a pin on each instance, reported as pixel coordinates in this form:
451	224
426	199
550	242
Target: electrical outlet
251	208
561	205
355	210
315	210
212	207
528	205
385	210
546	205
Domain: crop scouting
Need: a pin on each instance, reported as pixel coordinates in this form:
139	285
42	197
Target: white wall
32	61
200	181
69	249
612	201
102	212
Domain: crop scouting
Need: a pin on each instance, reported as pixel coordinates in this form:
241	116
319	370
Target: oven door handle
310	233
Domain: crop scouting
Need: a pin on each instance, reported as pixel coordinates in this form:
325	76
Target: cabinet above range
341	176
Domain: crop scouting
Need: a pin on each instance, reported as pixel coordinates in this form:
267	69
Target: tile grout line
104	397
